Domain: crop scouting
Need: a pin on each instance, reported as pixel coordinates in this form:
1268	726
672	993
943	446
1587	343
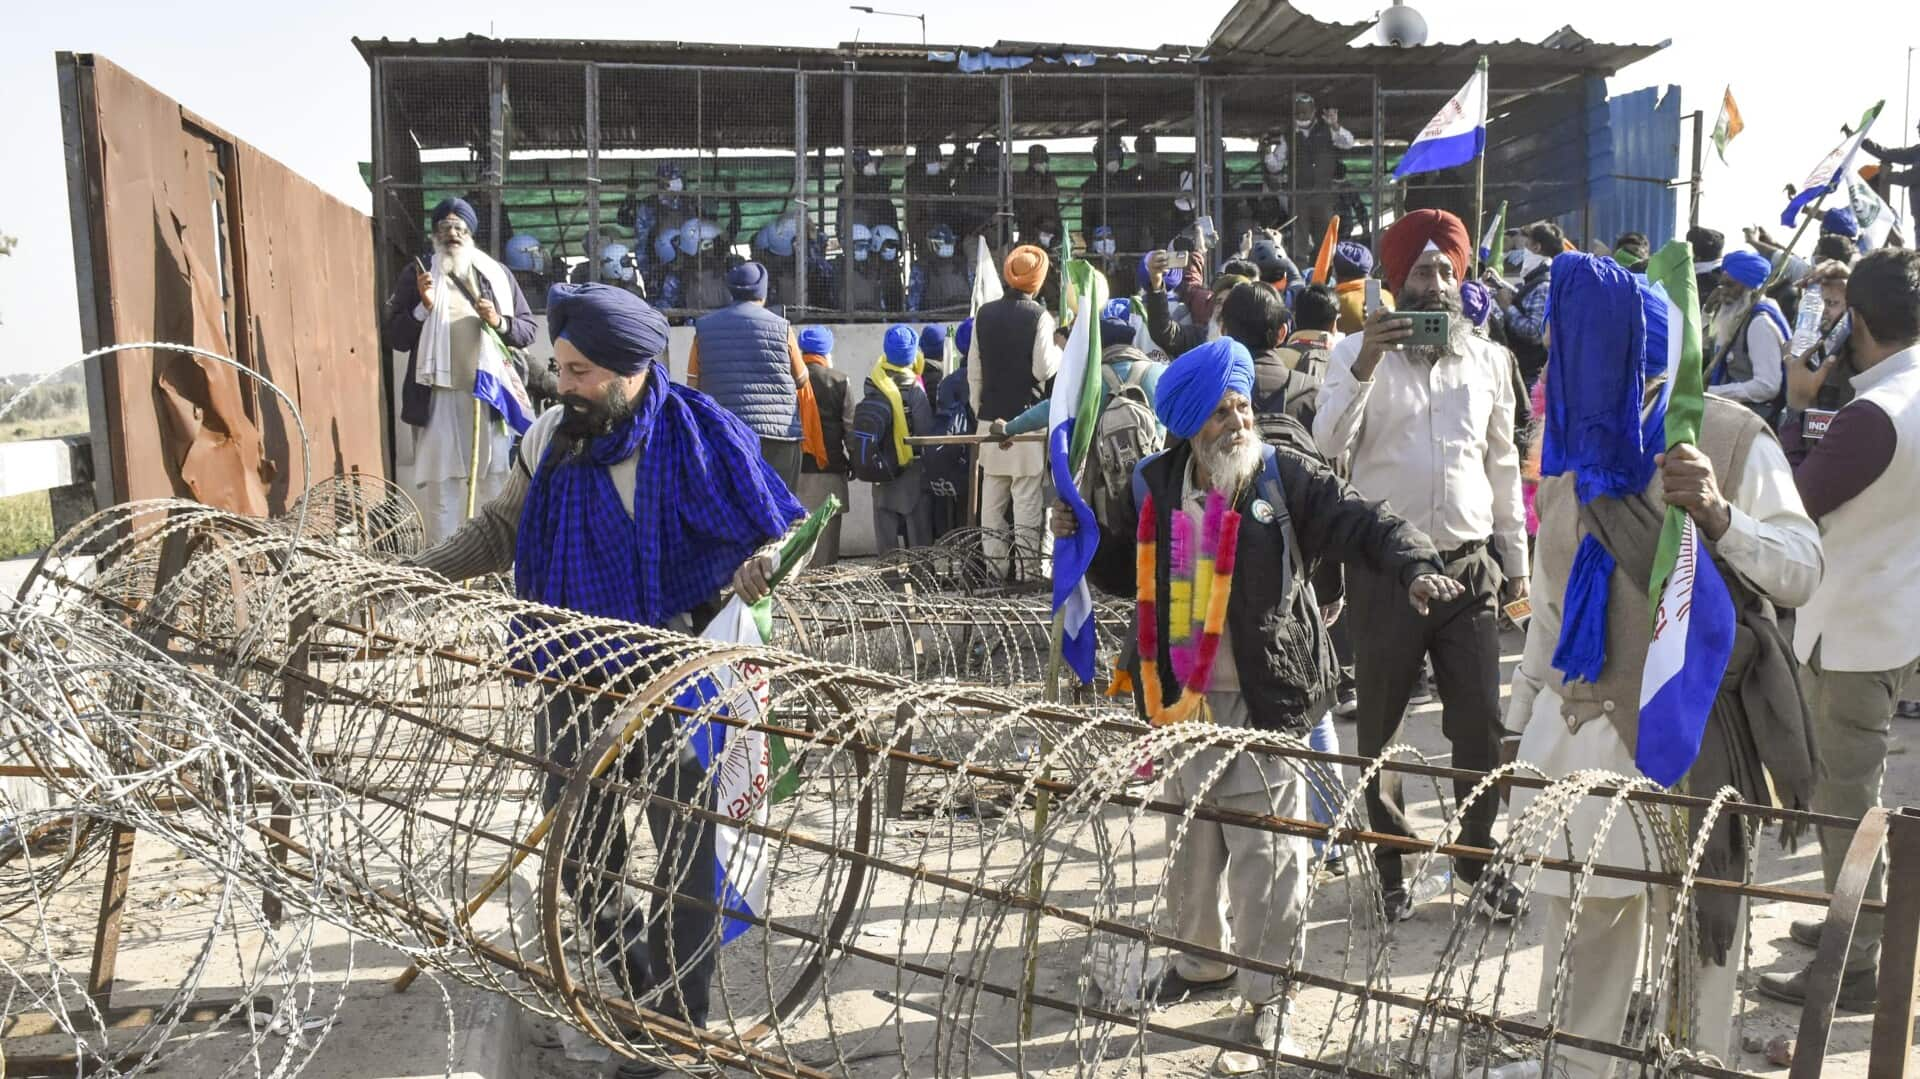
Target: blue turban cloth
1747	268
704	499
614	328
1608	337
900	345
455	208
1116	322
1351	259
1840	221
747	281
963	338
816	340
933	342
1475	302
1192	385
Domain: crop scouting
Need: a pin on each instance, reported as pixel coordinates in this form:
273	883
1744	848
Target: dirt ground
942	1028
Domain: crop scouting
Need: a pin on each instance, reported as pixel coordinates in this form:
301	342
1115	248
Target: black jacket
1166	333
830	390
1280	646
403	333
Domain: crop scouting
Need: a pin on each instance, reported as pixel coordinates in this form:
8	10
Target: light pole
923	20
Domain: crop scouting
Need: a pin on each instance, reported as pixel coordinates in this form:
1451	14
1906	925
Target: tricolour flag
1693	613
749	768
1457	133
498	384
1831	172
1072	412
1493	245
1727	125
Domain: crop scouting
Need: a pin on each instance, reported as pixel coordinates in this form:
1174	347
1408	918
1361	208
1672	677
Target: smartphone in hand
1373	295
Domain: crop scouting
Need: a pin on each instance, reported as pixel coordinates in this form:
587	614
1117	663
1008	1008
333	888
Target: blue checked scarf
704	500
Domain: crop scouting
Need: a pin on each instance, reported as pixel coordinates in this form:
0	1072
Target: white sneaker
1270	1034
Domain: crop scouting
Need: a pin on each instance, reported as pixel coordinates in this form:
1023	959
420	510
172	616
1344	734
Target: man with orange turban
1429	429
1012	356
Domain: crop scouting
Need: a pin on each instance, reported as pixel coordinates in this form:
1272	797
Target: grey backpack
1125	434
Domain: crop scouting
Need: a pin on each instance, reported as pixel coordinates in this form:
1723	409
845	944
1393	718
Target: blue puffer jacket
745	364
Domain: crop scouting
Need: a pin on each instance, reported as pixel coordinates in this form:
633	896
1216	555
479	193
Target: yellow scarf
882	379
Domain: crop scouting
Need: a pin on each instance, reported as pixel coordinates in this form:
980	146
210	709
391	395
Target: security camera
1401	27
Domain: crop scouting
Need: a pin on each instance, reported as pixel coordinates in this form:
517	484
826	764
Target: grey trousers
784	455
1258	877
812	491
1852	721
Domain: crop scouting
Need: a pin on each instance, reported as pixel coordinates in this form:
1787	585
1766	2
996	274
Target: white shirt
1434	440
443	449
1770	542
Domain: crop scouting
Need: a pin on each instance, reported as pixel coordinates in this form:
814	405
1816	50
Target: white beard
1231	466
457	259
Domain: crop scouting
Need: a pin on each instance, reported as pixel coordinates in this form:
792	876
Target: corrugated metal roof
1276	30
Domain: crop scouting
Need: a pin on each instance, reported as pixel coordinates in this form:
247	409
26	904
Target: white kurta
1771	544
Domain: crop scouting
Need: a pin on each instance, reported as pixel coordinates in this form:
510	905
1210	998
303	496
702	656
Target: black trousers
672	943
1390	639
784	455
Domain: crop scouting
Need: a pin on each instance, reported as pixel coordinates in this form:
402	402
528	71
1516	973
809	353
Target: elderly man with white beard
1429	428
1228	631
440	317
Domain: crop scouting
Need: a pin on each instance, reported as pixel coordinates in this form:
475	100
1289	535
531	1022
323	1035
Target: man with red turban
1429	429
1012	358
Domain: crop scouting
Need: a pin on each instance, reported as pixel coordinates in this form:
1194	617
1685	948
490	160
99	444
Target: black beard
587	418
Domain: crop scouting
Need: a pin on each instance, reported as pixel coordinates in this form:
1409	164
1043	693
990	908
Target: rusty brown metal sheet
209	242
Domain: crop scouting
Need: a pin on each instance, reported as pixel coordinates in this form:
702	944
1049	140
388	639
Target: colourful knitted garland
1197	583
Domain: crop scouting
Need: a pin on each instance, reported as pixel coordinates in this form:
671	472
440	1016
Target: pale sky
286	78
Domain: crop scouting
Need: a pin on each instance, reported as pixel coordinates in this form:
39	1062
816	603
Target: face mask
1113	166
1043	167
945	251
933	168
870	169
859	254
1183	204
889	253
1104	247
675	183
1531	261
1046	239
1275	160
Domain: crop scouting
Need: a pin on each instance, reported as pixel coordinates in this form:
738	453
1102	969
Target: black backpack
870	441
946	466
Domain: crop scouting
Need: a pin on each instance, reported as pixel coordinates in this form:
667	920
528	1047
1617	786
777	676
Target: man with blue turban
440	316
639	501
1747	339
748	358
897	398
1224	515
1607	480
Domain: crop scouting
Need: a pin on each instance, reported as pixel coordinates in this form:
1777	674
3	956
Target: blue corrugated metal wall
1630	138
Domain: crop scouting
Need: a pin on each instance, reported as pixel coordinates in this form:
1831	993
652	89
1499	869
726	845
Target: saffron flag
748	768
1693	614
1727	125
1831	172
1493	245
1457	133
1072	412
1323	262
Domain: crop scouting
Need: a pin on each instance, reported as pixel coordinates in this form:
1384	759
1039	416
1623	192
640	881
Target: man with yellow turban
1012	356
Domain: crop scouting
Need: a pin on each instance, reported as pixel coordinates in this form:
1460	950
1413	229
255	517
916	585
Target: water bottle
1430	887
1806	327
